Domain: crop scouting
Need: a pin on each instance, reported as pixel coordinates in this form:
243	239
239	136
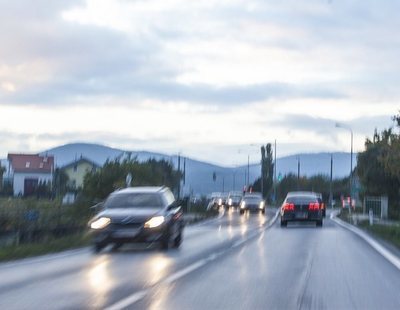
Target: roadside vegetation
317	183
378	167
291	182
41	224
378	170
50	245
387	231
30	226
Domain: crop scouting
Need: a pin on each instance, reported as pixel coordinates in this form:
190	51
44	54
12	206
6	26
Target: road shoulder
388	252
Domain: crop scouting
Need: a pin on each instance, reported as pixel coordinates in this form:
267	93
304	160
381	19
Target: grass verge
55	245
388	233
49	246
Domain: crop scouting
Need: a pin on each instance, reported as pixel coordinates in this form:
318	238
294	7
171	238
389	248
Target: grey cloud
326	126
100	137
25	141
61	91
97	62
40	9
92	61
367	125
8	135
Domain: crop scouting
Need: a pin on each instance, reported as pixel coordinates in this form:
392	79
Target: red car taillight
314	206
288	207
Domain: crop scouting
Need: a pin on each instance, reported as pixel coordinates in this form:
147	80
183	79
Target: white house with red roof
28	170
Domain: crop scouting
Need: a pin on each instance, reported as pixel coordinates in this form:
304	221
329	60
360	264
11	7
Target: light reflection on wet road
84	280
228	263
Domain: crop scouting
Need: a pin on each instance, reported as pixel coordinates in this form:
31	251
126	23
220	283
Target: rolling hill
199	174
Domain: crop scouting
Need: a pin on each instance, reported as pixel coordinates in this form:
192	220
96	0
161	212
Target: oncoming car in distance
139	215
234	199
252	203
216	201
301	206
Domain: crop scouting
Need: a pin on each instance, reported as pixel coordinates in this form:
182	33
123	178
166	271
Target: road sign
128	179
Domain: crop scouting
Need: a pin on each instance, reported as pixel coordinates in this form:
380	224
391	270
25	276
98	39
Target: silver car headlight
100	223
242	205
262	204
154	222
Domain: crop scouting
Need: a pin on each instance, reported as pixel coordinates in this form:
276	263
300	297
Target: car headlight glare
242	205
100	223
261	205
154	222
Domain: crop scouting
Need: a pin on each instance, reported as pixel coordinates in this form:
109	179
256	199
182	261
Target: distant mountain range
199	174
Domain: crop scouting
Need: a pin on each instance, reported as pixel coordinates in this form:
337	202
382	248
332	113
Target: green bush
35	219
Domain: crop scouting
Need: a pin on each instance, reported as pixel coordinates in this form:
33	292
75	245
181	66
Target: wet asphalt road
234	262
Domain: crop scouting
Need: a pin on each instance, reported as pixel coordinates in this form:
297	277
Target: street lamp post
330	184
339	125
246	173
298	173
275	171
234	180
248	170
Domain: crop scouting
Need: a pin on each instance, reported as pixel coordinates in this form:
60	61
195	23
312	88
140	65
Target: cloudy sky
207	78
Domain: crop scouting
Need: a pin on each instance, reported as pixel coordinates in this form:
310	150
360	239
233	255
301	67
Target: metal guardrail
378	205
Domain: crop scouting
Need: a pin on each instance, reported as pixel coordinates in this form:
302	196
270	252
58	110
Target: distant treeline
99	184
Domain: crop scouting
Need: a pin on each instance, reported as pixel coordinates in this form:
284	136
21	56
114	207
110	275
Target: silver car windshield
252	199
134	200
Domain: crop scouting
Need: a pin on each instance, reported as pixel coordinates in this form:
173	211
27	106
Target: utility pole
298	173
184	170
275	171
248	171
179	170
245	178
351	171
339	125
330	184
262	169
234	180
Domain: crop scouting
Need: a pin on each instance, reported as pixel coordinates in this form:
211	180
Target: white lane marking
274	218
135	297
238	243
220	215
375	245
180	274
334	214
128	301
185	271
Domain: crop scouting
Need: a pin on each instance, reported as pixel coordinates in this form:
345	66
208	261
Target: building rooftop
33	163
